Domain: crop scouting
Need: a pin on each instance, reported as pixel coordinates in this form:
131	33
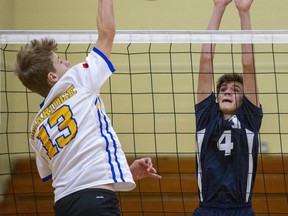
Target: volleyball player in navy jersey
227	124
72	136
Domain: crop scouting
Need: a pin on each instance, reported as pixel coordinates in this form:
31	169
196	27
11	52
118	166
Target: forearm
205	79
214	24
245	21
105	18
249	73
105	26
247	49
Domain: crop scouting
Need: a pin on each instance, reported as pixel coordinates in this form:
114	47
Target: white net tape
149	36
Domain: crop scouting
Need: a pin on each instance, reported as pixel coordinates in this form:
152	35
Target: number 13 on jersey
62	120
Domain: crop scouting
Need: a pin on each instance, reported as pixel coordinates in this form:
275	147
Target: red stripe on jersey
85	65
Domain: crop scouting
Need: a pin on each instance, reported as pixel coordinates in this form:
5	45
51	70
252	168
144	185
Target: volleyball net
150	100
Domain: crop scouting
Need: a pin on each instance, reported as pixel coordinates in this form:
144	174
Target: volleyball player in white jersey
72	136
227	124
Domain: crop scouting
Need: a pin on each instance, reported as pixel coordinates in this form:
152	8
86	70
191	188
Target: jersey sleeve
100	67
205	111
92	73
251	115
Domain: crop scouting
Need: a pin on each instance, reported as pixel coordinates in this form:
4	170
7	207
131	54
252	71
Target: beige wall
160	15
141	15
134	14
6	14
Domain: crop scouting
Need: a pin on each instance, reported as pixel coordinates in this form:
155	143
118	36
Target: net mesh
150	100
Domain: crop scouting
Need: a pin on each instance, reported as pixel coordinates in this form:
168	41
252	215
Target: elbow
248	63
110	32
107	34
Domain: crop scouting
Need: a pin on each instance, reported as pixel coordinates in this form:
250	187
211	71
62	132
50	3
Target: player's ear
52	78
216	100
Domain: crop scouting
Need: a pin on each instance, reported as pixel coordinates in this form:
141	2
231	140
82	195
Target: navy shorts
210	211
88	202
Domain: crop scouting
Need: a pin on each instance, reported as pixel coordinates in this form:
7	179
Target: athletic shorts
88	202
209	211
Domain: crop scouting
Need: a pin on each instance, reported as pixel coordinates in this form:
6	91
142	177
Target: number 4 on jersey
225	143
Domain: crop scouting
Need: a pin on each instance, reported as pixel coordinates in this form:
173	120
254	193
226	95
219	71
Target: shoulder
97	58
207	102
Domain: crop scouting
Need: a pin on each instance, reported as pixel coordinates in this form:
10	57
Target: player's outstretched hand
243	5
142	168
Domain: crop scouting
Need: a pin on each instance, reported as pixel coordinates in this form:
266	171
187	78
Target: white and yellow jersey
72	136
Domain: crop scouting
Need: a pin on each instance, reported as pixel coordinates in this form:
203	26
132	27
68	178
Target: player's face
230	97
61	66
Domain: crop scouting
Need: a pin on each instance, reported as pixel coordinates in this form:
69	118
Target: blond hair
34	62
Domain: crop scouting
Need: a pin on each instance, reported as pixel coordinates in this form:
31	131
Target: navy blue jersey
226	153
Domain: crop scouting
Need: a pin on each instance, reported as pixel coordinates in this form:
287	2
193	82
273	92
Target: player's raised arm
105	26
249	76
205	80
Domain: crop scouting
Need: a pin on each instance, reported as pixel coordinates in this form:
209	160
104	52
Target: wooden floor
175	194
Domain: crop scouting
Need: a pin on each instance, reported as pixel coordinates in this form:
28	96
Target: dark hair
34	62
226	78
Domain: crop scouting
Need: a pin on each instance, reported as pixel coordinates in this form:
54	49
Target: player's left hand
142	168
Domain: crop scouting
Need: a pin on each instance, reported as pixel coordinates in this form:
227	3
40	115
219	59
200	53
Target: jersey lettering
62	121
225	143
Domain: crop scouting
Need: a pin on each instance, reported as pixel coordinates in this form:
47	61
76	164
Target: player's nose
228	91
67	63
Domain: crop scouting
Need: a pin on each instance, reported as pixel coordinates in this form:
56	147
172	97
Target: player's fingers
151	170
155	176
148	161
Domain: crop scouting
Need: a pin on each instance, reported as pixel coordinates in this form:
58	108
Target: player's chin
228	109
